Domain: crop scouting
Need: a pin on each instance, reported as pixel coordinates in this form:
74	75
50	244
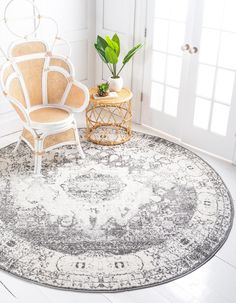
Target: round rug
129	216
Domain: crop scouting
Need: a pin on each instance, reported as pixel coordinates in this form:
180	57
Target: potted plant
103	89
109	51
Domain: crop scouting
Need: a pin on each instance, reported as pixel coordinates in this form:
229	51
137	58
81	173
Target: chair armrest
77	97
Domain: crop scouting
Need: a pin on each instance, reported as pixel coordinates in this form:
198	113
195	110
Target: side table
109	119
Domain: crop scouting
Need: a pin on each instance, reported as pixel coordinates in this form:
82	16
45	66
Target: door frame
140	33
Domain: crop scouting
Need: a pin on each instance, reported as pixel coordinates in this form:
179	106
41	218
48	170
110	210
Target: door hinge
145	32
141	96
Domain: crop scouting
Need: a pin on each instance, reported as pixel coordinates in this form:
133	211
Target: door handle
190	49
185	47
193	50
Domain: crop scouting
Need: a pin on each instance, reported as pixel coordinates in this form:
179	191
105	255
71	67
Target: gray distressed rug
130	216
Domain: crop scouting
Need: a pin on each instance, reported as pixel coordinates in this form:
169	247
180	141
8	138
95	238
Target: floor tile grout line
226	262
7	289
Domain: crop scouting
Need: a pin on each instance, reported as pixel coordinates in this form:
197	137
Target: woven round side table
109	119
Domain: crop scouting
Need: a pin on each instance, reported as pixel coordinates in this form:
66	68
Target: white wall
76	20
9	121
79	22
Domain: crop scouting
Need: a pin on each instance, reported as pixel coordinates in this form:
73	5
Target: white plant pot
116	84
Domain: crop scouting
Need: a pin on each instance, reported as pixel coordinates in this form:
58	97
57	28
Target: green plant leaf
112	45
101	53
111	56
116	39
101	43
131	53
103	87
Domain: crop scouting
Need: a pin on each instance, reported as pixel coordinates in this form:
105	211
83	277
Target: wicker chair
42	90
40	86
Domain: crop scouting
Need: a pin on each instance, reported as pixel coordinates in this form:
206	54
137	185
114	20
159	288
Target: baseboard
9	124
179	141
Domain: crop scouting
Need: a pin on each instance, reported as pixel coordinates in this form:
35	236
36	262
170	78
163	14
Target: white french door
189	79
168	27
211	112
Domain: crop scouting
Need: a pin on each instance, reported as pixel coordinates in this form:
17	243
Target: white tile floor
214	282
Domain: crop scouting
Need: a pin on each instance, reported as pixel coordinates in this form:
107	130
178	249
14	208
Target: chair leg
38	164
38	157
79	148
35	163
17	145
